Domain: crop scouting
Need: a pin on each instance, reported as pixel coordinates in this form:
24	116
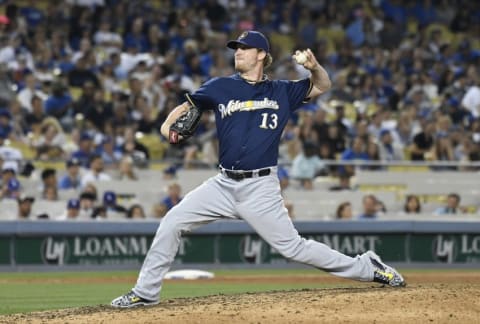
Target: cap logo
243	35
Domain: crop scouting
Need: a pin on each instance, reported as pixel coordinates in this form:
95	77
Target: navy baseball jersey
262	109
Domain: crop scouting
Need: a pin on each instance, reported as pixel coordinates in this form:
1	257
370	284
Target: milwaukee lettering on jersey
237	105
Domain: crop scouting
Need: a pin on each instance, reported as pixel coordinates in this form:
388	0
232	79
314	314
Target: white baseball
300	57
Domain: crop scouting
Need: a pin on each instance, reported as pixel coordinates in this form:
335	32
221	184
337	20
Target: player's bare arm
319	78
178	111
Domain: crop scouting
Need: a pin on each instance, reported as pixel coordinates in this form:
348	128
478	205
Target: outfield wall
230	243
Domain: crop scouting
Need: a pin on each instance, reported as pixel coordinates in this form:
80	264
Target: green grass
27	292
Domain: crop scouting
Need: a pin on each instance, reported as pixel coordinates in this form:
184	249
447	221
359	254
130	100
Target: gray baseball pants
258	201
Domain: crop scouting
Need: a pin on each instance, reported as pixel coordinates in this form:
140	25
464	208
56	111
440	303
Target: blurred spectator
58	105
34	119
72	178
335	140
471	100
91	189
49	179
443	150
423	143
320	124
341	121
25	203
373	155
10	189
388	149
169	173
136	38
50	194
87	204
370	207
356	153
10	155
143	116
110	209
9	170
136	212
307	165
126	170
343	182
97	111
412	205
452	206
290	144
110	154
86	101
344	211
85	152
381	207
173	198
106	38
26	95
81	72
95	171
72	211
5	122
133	148
49	145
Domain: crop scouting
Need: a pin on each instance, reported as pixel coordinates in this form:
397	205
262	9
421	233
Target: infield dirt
451	297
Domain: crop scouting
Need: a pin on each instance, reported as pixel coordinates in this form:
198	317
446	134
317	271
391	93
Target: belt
240	175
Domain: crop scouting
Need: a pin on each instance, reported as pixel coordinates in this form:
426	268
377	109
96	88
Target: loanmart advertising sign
252	249
95	250
447	248
235	248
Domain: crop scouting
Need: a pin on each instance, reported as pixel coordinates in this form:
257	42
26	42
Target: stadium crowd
88	81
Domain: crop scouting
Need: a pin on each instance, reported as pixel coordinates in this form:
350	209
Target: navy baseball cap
172	170
109	198
5	113
383	132
73	162
251	39
73	203
85	137
13	184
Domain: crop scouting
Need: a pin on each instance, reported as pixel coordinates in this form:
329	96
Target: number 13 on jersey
269	121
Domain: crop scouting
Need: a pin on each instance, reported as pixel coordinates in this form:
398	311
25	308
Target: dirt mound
448	302
446	297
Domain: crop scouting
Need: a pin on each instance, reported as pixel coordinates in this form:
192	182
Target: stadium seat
156	147
8	209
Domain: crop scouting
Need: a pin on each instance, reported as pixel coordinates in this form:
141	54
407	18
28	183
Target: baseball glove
185	126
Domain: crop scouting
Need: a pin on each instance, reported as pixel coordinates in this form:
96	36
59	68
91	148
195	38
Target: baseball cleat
131	300
385	274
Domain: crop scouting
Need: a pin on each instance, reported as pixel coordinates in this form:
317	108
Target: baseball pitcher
250	112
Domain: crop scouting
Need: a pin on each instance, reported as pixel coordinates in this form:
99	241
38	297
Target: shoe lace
125	300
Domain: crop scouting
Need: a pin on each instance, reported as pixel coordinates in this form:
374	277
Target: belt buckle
264	172
237	176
